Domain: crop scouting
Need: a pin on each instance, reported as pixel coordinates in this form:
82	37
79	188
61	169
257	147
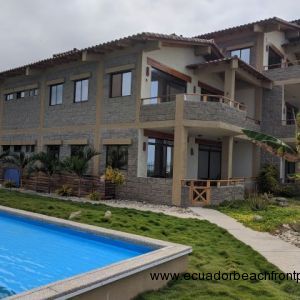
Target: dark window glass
160	158
53	150
274	60
75	149
33	92
117	156
243	54
56	94
20	95
17	148
29	148
9	97
5	148
121	84
81	90
165	87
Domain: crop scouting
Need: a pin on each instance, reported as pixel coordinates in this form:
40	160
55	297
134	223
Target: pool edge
167	257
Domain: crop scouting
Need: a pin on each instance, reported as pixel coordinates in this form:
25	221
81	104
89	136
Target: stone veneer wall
158	112
152	190
284	73
218	194
215	111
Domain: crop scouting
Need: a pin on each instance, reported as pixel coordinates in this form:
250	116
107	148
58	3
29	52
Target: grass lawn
273	216
213	248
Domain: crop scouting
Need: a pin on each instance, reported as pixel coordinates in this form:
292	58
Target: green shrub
9	184
64	190
268	180
258	202
94	196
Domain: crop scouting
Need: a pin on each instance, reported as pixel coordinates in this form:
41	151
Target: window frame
7	97
240	53
50	94
33	92
20	95
88	85
121	86
122	168
164	145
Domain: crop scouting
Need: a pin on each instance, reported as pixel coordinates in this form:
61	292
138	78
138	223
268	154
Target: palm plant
20	160
47	164
276	146
79	163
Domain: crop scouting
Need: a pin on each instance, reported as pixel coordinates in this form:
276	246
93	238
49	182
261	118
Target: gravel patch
288	234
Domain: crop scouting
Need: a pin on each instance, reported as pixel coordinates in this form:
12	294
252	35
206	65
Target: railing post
204	98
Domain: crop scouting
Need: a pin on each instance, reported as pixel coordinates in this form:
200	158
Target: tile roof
114	44
293	24
248	68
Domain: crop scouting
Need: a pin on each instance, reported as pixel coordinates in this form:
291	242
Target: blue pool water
34	253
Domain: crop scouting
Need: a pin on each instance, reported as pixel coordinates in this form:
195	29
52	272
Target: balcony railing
195	97
282	65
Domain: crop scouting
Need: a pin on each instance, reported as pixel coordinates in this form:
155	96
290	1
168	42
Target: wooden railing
195	97
200	190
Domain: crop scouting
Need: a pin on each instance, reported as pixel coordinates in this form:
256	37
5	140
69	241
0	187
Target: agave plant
79	163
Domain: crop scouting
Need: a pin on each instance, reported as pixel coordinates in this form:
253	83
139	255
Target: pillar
229	84
227	151
180	151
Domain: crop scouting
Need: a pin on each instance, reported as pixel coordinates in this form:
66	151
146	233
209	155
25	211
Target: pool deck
166	257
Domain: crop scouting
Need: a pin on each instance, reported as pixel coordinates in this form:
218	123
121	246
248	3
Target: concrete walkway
280	253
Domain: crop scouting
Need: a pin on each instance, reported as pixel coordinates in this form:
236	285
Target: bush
94	196
258	202
9	184
64	190
114	175
268	180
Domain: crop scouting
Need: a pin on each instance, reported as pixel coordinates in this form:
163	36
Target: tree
47	164
79	163
20	160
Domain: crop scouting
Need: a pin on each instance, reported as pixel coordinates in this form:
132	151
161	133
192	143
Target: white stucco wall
242	159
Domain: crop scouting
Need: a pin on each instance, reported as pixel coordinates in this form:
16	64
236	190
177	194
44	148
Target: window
81	90
17	148
120	84
29	148
165	86
76	149
20	94
117	156
53	150
160	158
56	94
274	59
5	148
9	97
243	54
33	92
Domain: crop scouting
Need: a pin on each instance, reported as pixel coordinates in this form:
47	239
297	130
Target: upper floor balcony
198	107
285	70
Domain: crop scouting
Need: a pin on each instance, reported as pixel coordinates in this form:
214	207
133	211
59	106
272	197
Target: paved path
280	253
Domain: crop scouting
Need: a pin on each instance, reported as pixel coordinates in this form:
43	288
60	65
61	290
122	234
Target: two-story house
167	110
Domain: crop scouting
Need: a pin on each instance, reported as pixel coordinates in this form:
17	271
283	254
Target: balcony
283	71
198	107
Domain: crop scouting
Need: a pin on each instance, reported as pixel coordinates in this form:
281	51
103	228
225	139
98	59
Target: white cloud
35	29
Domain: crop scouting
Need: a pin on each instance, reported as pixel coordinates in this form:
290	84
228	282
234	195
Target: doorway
209	161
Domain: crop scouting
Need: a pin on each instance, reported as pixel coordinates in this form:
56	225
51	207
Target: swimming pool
33	253
43	257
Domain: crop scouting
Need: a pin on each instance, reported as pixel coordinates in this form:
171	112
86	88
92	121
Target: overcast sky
34	29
